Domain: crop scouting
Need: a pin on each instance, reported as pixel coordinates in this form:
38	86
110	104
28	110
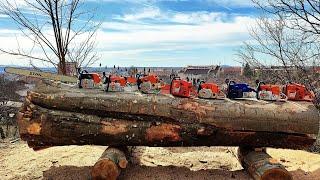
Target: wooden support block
262	166
110	164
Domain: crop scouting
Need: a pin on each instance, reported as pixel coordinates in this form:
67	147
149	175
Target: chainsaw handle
84	71
200	83
108	83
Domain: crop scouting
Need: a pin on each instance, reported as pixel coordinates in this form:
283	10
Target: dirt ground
17	161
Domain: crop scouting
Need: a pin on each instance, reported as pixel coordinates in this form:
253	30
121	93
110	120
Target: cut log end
110	164
262	166
276	174
105	169
123	163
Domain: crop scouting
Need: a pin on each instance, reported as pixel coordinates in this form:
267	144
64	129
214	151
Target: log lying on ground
262	116
43	127
110	164
262	166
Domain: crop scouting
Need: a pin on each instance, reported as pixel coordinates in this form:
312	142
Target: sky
157	32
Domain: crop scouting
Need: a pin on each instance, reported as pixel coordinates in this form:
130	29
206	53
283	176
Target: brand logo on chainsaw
35	74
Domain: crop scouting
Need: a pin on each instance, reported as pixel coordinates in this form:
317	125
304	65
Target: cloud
152	34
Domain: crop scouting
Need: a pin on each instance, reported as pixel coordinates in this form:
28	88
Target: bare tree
276	45
60	29
287	37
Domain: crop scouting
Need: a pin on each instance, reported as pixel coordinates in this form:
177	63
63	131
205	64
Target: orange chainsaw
298	92
209	91
115	83
88	80
270	92
148	84
182	88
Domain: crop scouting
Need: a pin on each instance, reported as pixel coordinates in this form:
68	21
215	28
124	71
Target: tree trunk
262	166
110	164
44	128
245	115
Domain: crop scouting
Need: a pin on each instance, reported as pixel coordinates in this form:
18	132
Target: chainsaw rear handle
108	83
171	84
199	88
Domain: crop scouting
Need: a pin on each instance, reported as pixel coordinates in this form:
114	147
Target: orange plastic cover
118	79
150	78
275	89
213	87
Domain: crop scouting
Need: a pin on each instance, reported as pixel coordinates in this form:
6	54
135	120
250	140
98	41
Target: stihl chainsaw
115	83
270	92
89	80
241	90
209	91
41	75
298	92
148	84
182	88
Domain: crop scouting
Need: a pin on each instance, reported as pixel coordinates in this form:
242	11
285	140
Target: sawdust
74	162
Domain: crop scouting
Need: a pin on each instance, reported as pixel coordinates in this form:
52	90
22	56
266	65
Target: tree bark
42	127
257	116
262	166
110	164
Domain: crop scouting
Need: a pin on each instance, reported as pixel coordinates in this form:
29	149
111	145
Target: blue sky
160	32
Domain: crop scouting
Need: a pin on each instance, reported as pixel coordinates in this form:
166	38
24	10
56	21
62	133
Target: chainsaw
115	83
298	92
240	90
148	84
209	91
88	80
182	88
270	92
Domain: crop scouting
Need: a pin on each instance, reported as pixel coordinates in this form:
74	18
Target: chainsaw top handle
259	85
108	82
171	84
201	82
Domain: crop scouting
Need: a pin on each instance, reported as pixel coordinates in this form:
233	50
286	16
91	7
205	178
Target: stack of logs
57	116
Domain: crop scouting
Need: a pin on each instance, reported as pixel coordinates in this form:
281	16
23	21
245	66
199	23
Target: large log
262	116
262	166
110	164
43	127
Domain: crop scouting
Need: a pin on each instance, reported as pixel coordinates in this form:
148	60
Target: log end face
123	163
105	169
276	174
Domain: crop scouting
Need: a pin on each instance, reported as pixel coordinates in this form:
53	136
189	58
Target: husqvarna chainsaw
148	84
298	92
182	88
209	91
240	90
270	92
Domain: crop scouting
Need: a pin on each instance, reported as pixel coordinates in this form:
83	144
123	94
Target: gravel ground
17	161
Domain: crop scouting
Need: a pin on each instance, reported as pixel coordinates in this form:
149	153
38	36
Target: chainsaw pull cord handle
171	84
283	97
